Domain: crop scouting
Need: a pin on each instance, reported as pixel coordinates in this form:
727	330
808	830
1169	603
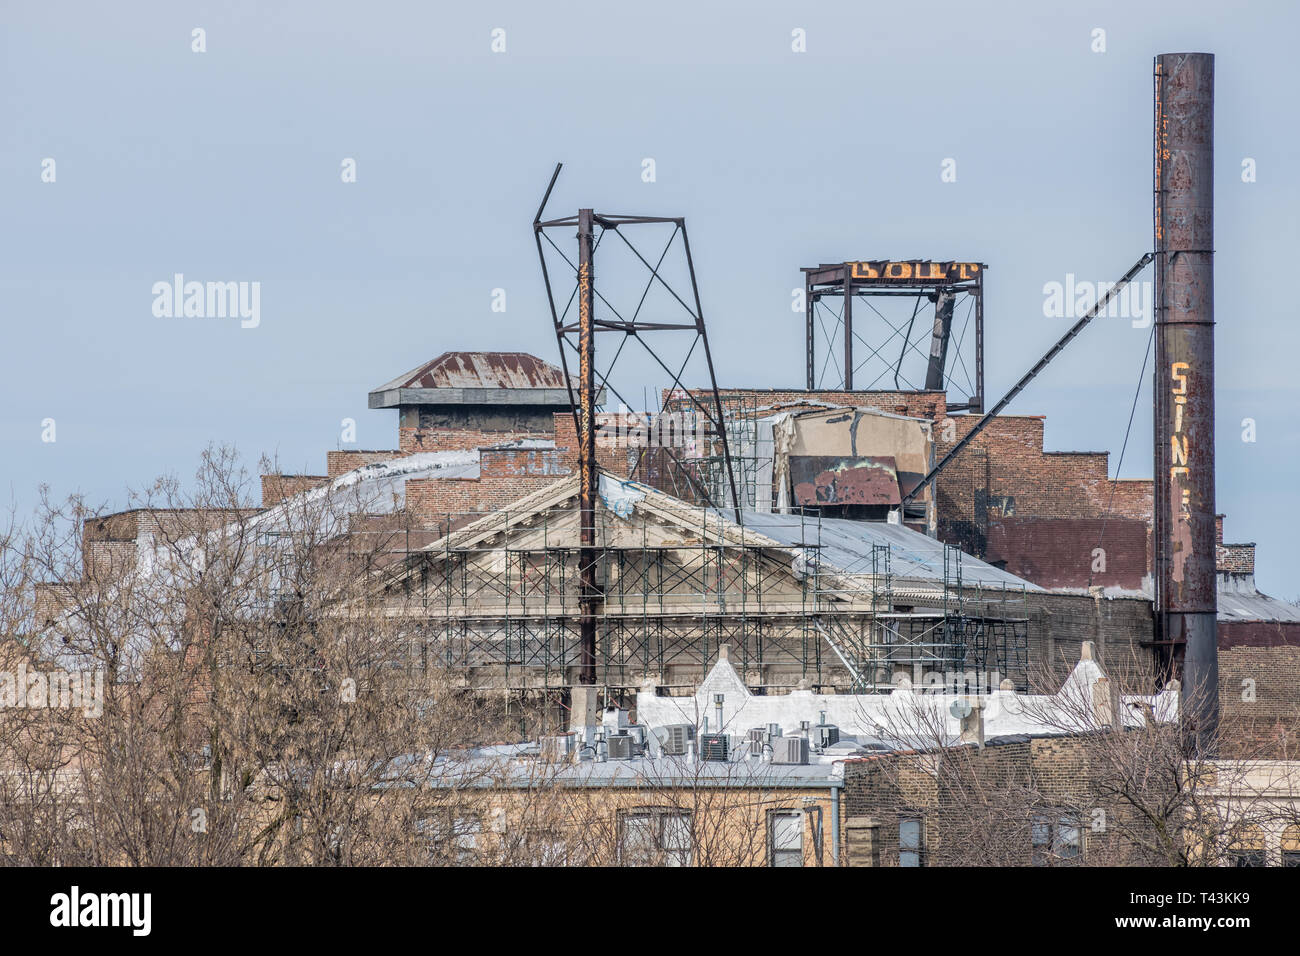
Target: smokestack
1186	603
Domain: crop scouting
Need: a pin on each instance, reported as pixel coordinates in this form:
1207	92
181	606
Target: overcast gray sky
225	165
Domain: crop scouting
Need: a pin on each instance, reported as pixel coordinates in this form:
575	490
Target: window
543	847
1291	857
1248	858
784	838
911	841
450	838
655	837
1056	838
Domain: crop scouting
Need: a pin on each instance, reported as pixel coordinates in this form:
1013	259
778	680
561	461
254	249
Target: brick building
480	432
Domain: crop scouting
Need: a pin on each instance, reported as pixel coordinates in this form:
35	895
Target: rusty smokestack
588	475
1186	600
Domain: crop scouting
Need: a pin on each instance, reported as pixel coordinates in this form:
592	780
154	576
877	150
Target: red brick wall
508	462
414	440
1059	552
1006	499
275	488
1235	557
614	459
431	501
1259	671
341	462
505	476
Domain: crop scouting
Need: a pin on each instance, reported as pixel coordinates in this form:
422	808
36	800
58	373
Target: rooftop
845	545
455	378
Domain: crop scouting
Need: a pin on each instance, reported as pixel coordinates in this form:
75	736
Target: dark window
655	837
1291	857
451	838
1056	838
784	838
911	841
1249	858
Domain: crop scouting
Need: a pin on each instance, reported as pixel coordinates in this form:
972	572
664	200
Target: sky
228	164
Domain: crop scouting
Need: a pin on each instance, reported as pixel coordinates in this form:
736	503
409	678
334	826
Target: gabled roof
844	547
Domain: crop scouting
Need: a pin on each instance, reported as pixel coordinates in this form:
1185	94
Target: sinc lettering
1178	440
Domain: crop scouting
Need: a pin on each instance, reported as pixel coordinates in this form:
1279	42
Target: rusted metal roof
832	480
481	370
479	378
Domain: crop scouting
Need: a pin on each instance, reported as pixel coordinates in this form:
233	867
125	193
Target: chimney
1184	516
582	712
972	725
1104	703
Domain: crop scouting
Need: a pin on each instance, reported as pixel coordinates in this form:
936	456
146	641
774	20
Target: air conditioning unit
756	738
826	735
620	746
790	750
676	738
713	746
638	734
557	748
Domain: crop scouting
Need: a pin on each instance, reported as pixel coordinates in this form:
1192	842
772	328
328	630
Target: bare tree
257	704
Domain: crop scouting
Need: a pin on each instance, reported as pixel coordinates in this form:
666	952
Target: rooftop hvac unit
675	738
713	747
756	738
614	719
790	750
620	746
638	735
557	748
826	735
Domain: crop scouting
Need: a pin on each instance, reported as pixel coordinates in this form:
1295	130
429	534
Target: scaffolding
693	467
498	600
749	439
967	638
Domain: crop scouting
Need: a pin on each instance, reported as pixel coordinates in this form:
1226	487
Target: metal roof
478	378
845	545
1239	601
481	370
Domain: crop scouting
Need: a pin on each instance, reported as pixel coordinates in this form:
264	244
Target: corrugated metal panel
1251	605
846	547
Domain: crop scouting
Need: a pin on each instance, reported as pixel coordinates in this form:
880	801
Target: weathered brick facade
1259	673
978	805
275	488
1055	518
341	462
931	405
